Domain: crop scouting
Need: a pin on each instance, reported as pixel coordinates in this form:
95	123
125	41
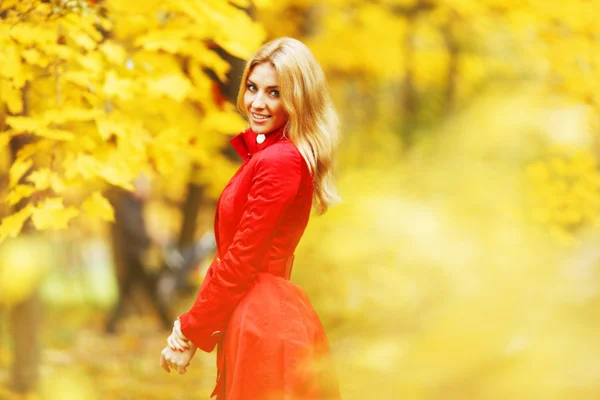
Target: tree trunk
409	96
25	320
25	317
452	47
190	209
195	197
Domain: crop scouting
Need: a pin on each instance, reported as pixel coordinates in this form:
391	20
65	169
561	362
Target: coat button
218	259
216	333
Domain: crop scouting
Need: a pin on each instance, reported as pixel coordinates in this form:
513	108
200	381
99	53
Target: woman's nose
258	101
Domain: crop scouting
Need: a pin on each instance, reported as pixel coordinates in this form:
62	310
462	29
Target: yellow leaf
241	3
55	134
60	51
243	36
121	177
202	92
98	206
57	184
263	3
34	57
91	62
5	138
11	3
211	60
86	23
118	87
83	40
170	43
236	32
11	226
173	85
11	96
10	63
104	23
31	34
82	79
24	124
107	126
223	121
51	213
40	178
38	126
114	52
18	193
87	166
62	115
113	172
33	148
18	169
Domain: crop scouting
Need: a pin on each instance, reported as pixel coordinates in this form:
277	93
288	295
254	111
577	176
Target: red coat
267	331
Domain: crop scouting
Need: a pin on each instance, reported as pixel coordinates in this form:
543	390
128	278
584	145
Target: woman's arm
276	181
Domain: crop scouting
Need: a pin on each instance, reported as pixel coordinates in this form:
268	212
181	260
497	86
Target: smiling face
262	100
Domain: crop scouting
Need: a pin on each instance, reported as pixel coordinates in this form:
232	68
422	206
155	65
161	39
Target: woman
271	344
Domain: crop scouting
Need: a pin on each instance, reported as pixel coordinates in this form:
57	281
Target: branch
32	7
56	71
408	11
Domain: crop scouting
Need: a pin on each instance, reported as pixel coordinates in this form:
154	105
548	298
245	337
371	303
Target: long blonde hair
313	123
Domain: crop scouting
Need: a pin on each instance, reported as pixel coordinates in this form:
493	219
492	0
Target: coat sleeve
274	186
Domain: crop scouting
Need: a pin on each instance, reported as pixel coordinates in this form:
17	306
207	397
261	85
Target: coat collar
245	143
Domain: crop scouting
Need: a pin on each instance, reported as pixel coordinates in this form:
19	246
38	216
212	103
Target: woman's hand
178	354
177	341
176	360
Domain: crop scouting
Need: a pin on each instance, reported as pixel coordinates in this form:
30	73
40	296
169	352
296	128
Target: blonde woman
271	343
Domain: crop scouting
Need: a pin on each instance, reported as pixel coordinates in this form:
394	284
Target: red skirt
275	347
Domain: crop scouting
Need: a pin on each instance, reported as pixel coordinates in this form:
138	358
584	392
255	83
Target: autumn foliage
462	262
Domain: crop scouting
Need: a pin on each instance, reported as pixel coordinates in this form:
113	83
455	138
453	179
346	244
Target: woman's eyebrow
268	87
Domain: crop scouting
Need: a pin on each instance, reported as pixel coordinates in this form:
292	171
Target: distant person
271	343
130	246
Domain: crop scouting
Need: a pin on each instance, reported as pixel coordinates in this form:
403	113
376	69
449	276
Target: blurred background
463	262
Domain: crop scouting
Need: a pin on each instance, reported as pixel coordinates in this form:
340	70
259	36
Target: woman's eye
275	93
251	87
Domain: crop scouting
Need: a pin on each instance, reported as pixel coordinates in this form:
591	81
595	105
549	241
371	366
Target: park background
462	263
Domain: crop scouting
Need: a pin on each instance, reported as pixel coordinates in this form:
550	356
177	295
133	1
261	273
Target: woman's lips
260	118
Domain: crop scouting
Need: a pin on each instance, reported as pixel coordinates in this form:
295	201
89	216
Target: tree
102	110
104	93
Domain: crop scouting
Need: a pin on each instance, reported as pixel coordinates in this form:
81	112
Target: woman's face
262	99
